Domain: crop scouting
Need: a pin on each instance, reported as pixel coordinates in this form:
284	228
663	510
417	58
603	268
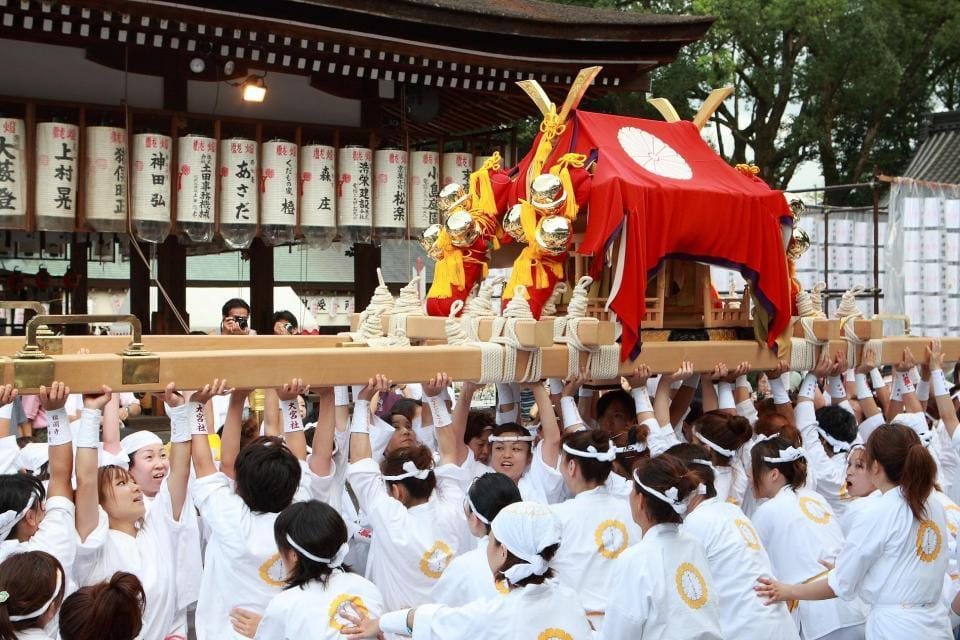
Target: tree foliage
845	83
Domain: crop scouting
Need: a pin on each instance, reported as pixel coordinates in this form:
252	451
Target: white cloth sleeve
862	549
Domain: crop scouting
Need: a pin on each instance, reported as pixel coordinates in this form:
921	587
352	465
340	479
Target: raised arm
868	363
664	437
908	392
778	391
683	397
271	413
181	435
200	452
360	448
641	397
111	426
569	410
549	427
938	386
435	413
88	441
7	395
321	458
232	431
58	438
708	393
289	403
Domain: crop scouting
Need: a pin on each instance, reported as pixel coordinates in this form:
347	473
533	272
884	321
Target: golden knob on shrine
428	240
547	194
797	207
511	223
462	228
450	197
553	234
799	243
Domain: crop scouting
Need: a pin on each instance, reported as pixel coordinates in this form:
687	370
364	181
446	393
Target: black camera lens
241	321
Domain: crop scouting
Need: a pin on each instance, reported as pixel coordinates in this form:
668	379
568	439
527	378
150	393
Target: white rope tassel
848	304
805	305
816	300
517	309
550	308
453	326
603	362
803	351
482	303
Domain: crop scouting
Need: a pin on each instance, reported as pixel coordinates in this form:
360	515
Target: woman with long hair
895	556
32	585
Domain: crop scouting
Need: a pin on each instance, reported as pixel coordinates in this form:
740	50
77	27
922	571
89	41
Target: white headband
333	562
703	462
138	440
724	452
636	447
603	456
511	438
473	508
9	519
838	445
763	438
672	495
787	455
45	605
411	470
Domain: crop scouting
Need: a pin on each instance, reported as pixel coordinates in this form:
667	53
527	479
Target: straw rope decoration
603	362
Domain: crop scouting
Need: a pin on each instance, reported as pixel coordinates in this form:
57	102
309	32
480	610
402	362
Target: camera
241	321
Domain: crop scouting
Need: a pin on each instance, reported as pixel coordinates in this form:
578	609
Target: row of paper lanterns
354	192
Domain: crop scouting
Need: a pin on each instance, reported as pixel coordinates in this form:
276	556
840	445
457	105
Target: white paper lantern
390	194
456	167
13	174
150	186
424	188
56	190
318	194
105	184
354	193
238	192
278	199
196	179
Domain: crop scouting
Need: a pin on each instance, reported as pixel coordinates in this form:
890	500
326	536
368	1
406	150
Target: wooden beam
162	343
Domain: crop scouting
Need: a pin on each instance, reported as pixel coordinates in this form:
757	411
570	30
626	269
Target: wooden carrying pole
259	368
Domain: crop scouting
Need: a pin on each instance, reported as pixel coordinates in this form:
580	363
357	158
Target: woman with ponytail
312	539
801	534
31	590
665	589
108	610
897	551
724	435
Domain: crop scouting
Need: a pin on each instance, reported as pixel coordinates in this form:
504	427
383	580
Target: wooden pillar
366	260
172	274
261	287
140	286
78	295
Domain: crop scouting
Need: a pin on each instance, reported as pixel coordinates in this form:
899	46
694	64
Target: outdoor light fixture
254	89
197	65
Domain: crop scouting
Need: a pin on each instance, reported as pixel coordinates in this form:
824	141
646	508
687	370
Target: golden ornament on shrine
798	208
462	228
511	223
547	194
799	243
428	240
553	234
451	196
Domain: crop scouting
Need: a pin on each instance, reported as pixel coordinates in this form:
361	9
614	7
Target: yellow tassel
449	270
481	191
562	169
551	128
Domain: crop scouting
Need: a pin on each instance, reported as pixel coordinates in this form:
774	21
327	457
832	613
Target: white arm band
851	375
198	419
779	391
505	394
835	384
556	386
808	387
58	427
876	379
360	421
585	393
725	396
439	411
395	622
863	390
341	396
641	400
744	383
938	383
355	390
180	429
906	383
88	435
503	417
923	391
290	414
570	412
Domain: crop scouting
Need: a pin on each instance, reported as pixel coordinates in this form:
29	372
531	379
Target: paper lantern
238	192
354	193
150	186
456	167
13	174
318	194
278	191
196	179
56	189
424	188
390	194
105	178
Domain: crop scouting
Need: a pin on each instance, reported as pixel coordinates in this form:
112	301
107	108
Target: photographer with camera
285	324
236	318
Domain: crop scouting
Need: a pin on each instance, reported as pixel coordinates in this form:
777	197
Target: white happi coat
737	559
896	564
548	611
467	578
597	528
799	530
664	591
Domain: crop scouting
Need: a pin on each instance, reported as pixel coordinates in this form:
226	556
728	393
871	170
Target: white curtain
922	257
